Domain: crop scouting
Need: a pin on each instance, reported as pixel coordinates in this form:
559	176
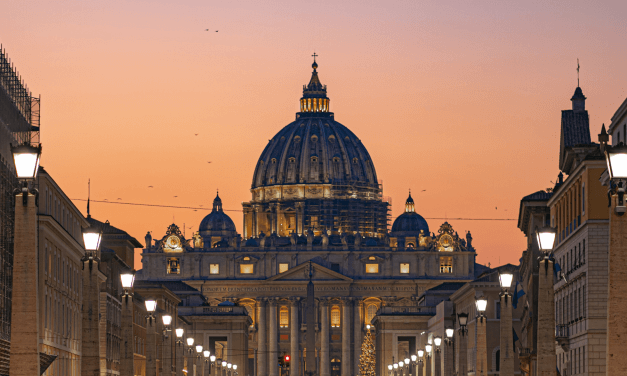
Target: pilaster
546	320
507	344
262	341
24	360
127	361
324	338
294	337
273	354
346	332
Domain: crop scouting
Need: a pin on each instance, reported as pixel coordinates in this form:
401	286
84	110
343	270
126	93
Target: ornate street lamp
26	158
151	306
235	369
428	348
616	157
390	367
167	320
449	336
421	354
179	335
206	354
482	304
546	240
198	350
92	237
462	319
128	279
437	341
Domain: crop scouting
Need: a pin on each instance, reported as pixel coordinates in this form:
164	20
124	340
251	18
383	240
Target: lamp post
166	361
127	361
223	371
507	345
228	366
24	352
213	364
90	357
179	351
198	358
616	351
461	354
482	345
235	369
390	368
546	362
428	356
151	338
407	365
206	354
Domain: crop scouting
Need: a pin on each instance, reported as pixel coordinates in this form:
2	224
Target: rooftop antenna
88	196
577	72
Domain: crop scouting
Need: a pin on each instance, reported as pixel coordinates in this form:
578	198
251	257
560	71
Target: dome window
336	159
292	160
297	139
314	159
282	138
355	160
273	160
331	138
314	138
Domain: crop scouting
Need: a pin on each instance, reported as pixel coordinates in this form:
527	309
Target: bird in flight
208	30
209	162
150	186
195	134
176	196
119	198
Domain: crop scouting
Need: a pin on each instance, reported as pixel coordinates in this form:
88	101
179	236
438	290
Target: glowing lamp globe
390	367
450	332
428	348
395	365
616	157
91	238
26	159
482	304
127	280
506	280
205	353
437	341
234	366
190	342
421	353
546	238
223	363
213	358
167	319
199	348
151	305
368	326
413	358
229	365
180	332
400	364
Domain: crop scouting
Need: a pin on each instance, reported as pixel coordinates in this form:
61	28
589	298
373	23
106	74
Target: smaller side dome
217	223
409	223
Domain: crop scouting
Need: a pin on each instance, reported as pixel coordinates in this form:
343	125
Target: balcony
430	311
562	333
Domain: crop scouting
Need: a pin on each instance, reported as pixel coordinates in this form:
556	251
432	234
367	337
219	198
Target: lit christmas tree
366	359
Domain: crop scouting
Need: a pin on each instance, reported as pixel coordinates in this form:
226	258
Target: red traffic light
286	358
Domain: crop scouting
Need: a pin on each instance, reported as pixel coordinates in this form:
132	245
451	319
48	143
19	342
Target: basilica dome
409	223
217	223
315	148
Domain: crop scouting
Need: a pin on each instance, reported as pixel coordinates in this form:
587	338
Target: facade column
358	331
507	342
448	359
546	320
437	362
346	333
278	219
273	340
324	338
427	370
299	213
616	351
180	358
262	342
167	355
256	221
294	338
461	355
151	347
24	352
127	361
481	368
90	358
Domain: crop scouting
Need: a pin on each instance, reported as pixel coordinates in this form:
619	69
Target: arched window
335	317
284	315
371	311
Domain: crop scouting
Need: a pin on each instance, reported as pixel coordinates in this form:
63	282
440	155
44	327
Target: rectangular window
372	268
446	264
214	268
246	268
283	267
173	266
405	268
584	252
314	221
583	199
292	222
284	319
335	267
498	310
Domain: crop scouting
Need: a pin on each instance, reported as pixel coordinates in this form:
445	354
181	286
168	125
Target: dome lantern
409	204
314	94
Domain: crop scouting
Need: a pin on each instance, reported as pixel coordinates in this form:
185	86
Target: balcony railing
406	311
561	331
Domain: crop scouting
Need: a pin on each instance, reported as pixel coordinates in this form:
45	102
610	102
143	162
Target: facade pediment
301	273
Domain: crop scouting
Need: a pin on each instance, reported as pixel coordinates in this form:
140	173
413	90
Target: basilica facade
316	206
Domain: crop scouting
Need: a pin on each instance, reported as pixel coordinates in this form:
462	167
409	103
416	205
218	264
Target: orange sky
459	98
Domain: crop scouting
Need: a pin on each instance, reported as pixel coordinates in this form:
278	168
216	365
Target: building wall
60	283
